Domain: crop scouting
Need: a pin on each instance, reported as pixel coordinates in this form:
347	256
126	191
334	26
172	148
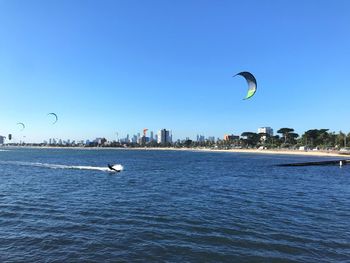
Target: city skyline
120	67
161	137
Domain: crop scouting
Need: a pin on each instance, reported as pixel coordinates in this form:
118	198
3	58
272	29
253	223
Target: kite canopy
55	115
22	125
252	85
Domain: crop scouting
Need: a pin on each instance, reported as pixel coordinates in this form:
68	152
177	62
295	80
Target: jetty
330	162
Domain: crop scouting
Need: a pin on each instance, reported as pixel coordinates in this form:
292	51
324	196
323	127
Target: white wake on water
118	167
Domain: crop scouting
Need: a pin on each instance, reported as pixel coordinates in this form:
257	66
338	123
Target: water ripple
170	206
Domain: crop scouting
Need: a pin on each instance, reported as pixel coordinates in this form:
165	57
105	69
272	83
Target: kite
21	124
251	81
55	115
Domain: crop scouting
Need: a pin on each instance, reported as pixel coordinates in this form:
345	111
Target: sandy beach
252	151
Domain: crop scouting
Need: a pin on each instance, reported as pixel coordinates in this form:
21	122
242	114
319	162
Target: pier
319	163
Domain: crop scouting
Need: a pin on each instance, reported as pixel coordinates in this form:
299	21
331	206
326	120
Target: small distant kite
251	81
54	115
22	125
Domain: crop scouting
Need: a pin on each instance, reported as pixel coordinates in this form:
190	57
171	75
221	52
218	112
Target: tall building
151	137
164	136
265	130
2	138
211	138
200	138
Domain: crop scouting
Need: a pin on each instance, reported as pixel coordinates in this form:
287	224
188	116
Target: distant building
102	141
200	138
265	130
151	137
144	140
211	139
231	137
134	139
2	139
164	136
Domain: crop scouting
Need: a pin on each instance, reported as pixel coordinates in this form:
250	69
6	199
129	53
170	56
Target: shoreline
254	151
244	151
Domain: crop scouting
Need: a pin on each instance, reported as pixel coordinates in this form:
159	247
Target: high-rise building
200	138
265	130
164	136
211	138
2	138
134	139
151	136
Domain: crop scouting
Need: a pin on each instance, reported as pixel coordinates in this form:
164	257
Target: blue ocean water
170	206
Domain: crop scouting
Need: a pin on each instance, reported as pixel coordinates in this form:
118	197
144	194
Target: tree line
285	138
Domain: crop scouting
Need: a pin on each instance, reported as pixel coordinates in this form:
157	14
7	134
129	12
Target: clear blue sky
108	66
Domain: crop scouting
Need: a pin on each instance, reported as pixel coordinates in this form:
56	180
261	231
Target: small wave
61	166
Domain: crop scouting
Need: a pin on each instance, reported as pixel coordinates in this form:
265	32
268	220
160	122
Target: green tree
317	137
285	132
251	138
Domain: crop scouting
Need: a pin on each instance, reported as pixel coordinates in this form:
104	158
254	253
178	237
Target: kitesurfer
111	167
